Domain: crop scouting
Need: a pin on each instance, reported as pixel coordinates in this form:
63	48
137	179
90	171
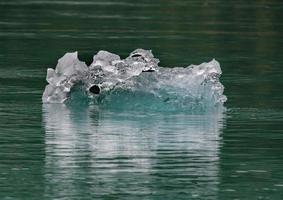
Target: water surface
61	152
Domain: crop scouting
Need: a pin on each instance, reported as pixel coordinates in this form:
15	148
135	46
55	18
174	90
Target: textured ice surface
68	72
134	82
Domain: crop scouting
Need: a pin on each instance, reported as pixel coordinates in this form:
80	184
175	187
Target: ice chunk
106	57
70	65
108	69
136	81
69	71
168	89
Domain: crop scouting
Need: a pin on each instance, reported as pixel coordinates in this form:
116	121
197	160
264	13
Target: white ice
138	74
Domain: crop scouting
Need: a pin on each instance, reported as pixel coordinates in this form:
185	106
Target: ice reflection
106	153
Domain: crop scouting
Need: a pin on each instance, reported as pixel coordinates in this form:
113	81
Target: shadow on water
130	154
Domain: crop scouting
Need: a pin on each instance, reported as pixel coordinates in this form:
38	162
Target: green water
58	152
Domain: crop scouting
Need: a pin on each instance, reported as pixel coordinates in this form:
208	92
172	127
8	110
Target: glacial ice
134	82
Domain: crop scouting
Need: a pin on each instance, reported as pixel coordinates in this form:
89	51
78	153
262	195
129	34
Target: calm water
60	152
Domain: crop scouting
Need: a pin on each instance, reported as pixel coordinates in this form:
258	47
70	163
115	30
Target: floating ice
68	72
134	82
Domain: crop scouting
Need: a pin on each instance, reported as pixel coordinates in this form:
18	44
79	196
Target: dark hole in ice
136	55
167	99
94	89
149	70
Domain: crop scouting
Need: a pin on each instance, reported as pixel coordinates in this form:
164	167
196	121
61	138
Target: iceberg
134	82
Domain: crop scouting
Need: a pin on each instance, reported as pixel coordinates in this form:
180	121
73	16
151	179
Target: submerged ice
134	82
